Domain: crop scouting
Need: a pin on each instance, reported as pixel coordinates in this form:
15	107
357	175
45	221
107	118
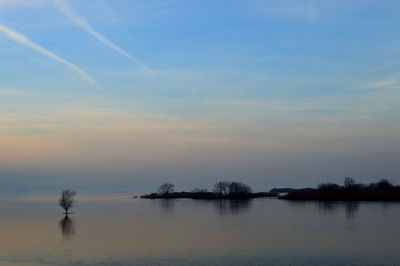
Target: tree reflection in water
167	205
226	206
350	207
67	226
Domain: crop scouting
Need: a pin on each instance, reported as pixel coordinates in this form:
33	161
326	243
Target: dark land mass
383	190
205	195
342	194
278	191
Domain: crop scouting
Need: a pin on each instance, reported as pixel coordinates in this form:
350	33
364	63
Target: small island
382	190
221	190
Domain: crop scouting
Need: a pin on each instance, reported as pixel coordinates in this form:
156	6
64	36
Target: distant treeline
221	190
383	190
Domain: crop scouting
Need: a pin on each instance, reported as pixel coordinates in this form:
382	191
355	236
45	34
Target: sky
129	94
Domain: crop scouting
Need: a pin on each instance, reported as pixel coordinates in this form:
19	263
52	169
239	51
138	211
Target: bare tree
166	188
349	183
67	200
221	188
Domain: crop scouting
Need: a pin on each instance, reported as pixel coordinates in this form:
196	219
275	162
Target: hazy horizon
127	95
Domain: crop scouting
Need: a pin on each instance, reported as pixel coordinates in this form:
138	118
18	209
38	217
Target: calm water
119	230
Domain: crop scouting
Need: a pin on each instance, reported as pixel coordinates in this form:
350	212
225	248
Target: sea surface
116	229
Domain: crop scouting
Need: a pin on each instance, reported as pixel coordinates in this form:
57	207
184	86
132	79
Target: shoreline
343	195
206	196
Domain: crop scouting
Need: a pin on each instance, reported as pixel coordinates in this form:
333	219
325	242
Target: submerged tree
67	200
166	188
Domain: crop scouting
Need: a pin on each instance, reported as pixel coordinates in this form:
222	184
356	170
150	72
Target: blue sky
134	93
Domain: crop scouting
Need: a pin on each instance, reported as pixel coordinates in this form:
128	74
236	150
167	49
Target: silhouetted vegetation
349	183
199	190
67	200
383	190
166	188
328	187
221	190
239	189
383	184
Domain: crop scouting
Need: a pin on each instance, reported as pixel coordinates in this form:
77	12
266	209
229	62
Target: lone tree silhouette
67	200
166	188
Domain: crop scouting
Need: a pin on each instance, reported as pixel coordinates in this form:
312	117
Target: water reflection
325	207
167	205
200	232
67	226
232	206
350	207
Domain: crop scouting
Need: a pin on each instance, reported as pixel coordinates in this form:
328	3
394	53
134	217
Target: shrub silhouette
384	184
239	189
328	187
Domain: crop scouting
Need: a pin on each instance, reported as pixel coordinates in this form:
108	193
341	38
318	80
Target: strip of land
382	190
344	195
206	195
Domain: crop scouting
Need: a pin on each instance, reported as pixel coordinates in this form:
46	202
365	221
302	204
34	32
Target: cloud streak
20	38
82	23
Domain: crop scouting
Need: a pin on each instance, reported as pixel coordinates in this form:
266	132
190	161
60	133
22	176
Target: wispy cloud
82	23
20	38
385	84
